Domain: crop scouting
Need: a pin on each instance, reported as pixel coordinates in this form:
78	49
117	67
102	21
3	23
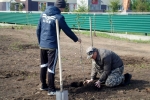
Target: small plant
43	6
67	7
111	22
114	5
79	21
82	7
20	7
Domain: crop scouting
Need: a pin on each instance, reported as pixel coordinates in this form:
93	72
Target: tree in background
21	7
82	7
12	6
140	5
114	5
67	7
80	19
43	6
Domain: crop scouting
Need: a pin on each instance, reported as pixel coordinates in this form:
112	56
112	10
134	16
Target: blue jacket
46	29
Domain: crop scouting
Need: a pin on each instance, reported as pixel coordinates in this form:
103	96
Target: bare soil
20	66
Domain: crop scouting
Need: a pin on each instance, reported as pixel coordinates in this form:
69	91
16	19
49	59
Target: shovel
62	94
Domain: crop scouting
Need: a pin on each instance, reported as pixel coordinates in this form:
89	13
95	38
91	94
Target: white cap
89	52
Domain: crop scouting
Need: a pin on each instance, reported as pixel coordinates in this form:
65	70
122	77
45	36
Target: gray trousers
115	78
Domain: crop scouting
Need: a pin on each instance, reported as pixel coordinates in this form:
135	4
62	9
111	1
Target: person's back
112	57
48	36
46	30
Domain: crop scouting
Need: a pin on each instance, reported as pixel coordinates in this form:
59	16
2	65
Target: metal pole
91	34
91	31
60	68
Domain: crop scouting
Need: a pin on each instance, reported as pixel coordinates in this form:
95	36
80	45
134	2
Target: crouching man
109	66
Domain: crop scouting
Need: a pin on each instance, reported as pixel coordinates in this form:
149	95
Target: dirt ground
20	65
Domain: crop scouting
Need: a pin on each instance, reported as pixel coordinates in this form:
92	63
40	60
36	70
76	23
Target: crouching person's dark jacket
105	62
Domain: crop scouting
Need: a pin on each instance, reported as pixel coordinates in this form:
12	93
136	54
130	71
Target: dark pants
48	62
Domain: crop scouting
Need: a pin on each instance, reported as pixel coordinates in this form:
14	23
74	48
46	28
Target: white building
97	5
106	3
72	3
93	5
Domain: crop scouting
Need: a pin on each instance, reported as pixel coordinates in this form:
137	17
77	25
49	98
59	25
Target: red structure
94	1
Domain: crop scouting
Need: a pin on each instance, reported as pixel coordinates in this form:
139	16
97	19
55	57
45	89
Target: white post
60	68
62	94
91	31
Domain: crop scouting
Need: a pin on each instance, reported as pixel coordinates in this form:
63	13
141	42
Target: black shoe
44	88
127	80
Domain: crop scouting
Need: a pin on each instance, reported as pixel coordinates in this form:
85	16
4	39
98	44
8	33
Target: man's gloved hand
98	84
88	81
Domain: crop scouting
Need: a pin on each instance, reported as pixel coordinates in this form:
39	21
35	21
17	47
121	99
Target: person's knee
113	81
110	83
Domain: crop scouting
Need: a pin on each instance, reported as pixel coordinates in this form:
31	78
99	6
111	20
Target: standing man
110	67
47	39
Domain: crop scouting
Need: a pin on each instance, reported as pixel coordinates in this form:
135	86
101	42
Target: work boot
127	80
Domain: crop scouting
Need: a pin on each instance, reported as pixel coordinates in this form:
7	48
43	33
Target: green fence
139	23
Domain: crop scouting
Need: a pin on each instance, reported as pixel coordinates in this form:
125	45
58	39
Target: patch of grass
29	26
19	27
141	41
104	35
20	46
141	65
5	26
63	59
133	33
16	46
129	65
